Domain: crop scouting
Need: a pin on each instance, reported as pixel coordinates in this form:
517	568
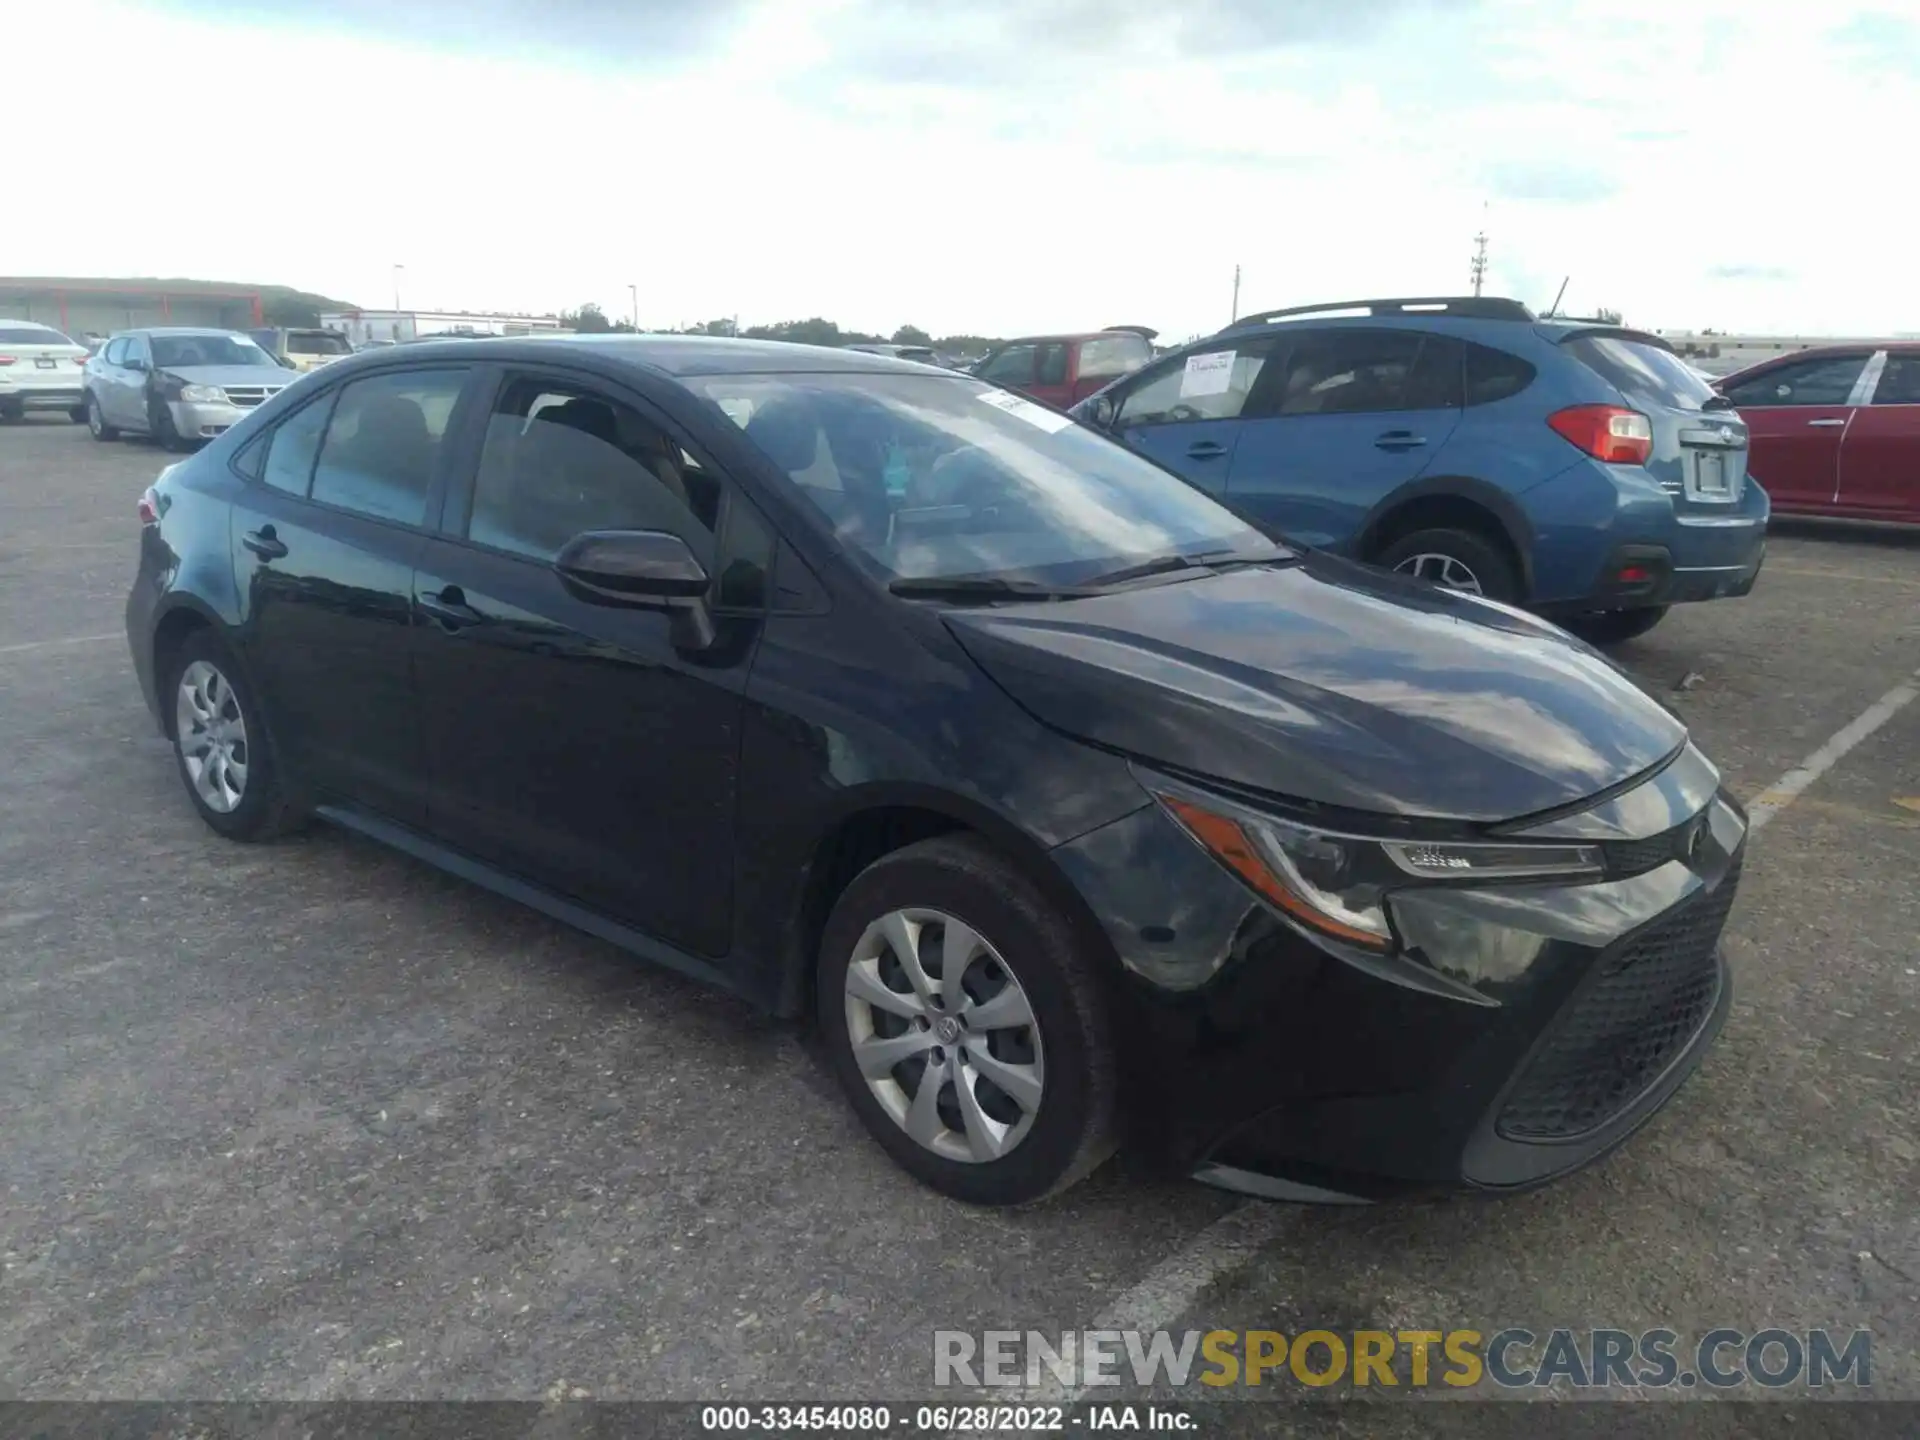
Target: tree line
590	319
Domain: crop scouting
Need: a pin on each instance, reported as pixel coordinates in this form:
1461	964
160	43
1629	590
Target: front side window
559	460
1012	366
1828	380
179	352
1348	372
1051	367
116	351
935	477
1900	381
1210	384
382	442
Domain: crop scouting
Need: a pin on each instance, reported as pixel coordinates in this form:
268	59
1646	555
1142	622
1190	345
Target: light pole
396	287
634	292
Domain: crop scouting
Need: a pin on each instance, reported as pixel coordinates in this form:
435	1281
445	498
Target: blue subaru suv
1574	467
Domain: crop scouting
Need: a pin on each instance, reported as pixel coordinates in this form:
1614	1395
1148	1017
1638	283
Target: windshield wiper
982	587
1209	561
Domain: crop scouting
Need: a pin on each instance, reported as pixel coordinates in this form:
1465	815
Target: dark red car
1836	430
1063	370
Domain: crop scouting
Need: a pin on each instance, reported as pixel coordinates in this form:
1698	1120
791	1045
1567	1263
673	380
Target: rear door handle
1813	424
1205	450
264	543
450	608
1399	440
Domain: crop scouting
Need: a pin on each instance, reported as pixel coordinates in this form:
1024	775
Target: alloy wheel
1447	571
944	1035
96	422
212	734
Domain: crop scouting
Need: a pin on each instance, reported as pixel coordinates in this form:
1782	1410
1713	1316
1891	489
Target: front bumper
201	420
1519	1033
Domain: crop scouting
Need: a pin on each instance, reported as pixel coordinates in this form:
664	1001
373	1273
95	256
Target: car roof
174	330
684	355
1070	335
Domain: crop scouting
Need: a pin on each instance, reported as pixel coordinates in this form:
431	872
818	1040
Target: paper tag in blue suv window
1022	408
1209	374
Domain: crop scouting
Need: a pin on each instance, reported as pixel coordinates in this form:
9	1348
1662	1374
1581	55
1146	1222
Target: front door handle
1205	450
1399	440
264	543
1823	424
450	608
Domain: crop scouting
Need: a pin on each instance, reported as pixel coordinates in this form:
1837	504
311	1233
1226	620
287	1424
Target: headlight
1337	884
203	394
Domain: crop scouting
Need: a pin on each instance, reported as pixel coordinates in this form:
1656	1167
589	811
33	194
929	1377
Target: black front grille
1646	1002
1632	857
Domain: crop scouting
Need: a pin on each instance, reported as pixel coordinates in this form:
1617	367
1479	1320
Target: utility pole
633	291
1236	296
1479	259
396	287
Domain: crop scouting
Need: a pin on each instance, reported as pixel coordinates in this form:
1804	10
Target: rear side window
1348	372
1053	365
382	441
1825	380
1110	355
1645	373
1494	374
1900	381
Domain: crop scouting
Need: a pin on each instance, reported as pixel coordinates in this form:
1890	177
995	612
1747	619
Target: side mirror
646	568
1100	412
134	362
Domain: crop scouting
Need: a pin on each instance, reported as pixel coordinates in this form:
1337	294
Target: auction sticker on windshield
1023	409
1208	374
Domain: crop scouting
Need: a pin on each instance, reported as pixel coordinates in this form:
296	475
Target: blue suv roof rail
1475	307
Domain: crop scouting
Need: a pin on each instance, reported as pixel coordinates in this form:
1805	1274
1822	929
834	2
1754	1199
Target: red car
1062	370
1835	431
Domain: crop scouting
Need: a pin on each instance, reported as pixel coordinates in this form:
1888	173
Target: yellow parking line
1842	575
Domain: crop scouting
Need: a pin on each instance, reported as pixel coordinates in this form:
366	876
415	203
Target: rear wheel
1455	560
966	1024
220	743
1615	627
97	424
12	413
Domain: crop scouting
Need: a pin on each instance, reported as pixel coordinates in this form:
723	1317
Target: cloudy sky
982	165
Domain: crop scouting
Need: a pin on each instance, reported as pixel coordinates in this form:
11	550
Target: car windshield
311	343
1644	372
934	477
183	352
31	335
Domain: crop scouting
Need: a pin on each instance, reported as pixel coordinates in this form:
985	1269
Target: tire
1428	554
208	700
160	426
1616	627
1014	1145
97	424
78	414
12	414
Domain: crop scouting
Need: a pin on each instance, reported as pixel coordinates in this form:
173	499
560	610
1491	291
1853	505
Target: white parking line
57	644
1171	1287
1782	793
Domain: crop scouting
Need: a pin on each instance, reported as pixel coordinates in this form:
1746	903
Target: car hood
1329	683
232	374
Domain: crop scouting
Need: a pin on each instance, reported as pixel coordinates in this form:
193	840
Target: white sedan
40	369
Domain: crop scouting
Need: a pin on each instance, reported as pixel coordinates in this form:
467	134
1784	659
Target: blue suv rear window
1645	373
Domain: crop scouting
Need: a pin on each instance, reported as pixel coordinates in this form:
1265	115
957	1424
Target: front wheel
966	1023
78	414
1454	560
97	424
1616	627
160	425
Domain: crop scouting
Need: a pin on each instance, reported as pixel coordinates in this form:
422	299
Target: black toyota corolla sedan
1078	811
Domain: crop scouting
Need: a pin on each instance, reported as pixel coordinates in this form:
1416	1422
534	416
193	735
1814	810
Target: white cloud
1025	166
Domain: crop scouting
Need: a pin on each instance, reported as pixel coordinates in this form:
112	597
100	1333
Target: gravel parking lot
311	1120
